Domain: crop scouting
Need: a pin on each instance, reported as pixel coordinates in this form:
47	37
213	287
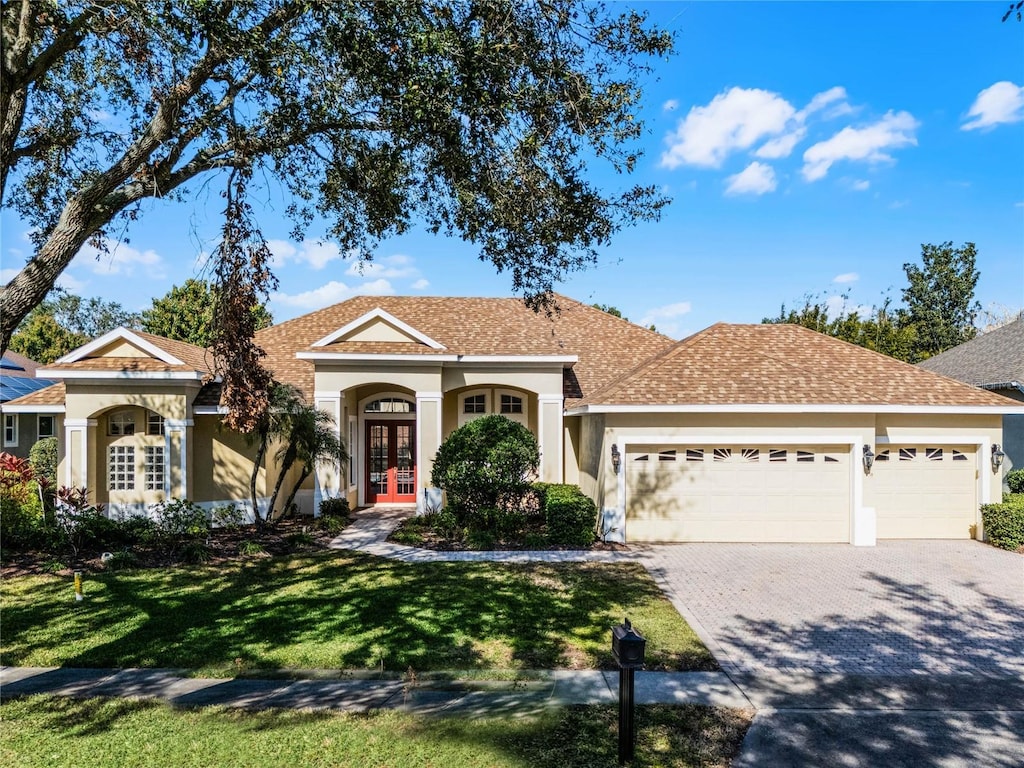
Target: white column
77	450
179	426
429	413
328	478
550	436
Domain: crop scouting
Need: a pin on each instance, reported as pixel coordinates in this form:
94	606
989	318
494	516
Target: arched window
390	405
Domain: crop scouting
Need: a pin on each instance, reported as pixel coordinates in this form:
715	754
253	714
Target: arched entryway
389	433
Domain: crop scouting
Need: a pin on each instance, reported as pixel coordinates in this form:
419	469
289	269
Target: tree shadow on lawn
583	736
336	612
926	682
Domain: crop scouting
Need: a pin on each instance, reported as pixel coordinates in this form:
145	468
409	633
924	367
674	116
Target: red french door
390	462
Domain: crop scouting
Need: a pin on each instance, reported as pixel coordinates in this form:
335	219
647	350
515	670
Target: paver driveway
902	607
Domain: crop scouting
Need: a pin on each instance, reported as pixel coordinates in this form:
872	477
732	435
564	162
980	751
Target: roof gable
377	325
120	342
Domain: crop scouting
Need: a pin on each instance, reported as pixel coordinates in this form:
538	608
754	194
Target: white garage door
925	492
737	493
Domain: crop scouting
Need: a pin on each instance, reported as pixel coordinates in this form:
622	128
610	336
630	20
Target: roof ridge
656	359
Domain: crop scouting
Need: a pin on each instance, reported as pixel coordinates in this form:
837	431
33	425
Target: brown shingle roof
781	365
605	344
28	365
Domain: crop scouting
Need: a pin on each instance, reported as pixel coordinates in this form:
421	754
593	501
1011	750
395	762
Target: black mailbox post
628	647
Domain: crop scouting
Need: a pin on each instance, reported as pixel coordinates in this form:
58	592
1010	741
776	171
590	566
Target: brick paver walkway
902	607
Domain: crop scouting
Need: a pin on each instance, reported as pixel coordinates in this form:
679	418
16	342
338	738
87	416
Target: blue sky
808	148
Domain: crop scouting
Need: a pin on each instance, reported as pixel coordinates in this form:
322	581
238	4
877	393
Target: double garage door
793	493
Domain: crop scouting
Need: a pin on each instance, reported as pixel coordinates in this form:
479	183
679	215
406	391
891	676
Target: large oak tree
480	118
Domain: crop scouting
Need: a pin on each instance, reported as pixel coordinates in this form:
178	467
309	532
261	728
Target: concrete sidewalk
431	696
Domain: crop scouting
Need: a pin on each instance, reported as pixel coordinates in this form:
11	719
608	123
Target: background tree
939	298
186	313
939	310
63	322
473	117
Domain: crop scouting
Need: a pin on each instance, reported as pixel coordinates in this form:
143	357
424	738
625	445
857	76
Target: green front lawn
41	732
343	610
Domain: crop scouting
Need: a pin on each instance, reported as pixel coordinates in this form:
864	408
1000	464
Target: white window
511	404
154	424
475	404
121	468
10	429
46	427
121	423
154	468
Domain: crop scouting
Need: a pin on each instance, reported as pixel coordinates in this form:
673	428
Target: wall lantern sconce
868	458
997	457
616	458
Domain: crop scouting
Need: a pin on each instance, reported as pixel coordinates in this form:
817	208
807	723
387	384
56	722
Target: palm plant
275	424
311	439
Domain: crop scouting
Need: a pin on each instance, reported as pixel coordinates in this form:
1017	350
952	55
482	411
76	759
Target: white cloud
1002	102
860	185
421	284
734	120
332	293
756	179
317	254
782	146
870	143
395	266
821	100
6	275
895	205
670	106
119	259
846	277
666	317
71	284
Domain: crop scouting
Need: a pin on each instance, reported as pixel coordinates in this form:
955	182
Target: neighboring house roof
15	364
994	360
17	377
52	394
604	344
781	365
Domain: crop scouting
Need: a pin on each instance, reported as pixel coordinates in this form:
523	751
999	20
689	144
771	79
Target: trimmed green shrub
332	524
43	458
1015	480
20	522
1004	523
571	516
485	468
335	507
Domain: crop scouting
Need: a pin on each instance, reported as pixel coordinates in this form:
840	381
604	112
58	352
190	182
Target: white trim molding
125	335
378	314
992	410
71	373
7	408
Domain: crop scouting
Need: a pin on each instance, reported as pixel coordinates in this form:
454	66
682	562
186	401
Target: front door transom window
390	405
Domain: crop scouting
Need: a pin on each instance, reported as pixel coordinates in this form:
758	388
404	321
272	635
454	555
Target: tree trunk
295	489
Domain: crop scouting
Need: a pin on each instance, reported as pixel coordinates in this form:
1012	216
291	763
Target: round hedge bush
485	468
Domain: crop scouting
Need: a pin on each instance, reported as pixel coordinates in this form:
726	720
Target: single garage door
737	493
925	492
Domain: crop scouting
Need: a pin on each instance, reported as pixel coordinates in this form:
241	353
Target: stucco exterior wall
223	464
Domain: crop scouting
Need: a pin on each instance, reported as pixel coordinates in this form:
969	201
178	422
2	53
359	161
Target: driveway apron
907	653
